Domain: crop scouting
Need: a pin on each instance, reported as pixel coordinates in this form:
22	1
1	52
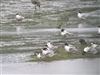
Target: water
69	67
19	40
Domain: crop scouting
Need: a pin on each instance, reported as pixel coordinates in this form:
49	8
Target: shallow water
69	67
40	26
20	39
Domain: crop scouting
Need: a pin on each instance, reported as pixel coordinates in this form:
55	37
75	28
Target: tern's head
66	44
79	11
17	13
44	48
62	30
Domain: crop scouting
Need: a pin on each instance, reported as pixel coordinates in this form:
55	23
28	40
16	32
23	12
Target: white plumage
82	15
19	17
70	48
91	49
51	52
50	45
45	51
38	55
86	49
99	30
64	32
94	45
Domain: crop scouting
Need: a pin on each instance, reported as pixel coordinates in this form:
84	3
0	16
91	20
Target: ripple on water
15	58
13	43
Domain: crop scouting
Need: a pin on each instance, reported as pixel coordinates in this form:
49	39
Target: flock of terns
49	50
